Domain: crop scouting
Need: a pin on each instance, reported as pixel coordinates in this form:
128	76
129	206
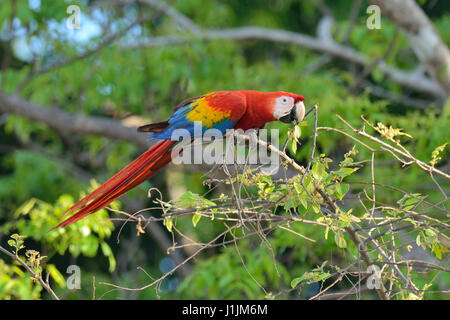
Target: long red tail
126	179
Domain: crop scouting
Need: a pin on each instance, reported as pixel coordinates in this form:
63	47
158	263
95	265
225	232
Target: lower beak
297	113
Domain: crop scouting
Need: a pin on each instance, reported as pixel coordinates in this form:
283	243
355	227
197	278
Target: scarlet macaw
220	110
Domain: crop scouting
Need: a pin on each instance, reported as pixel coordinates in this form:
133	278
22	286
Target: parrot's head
289	107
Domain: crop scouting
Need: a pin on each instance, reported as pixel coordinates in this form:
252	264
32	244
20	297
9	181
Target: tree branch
424	40
333	207
66	122
43	283
395	150
412	80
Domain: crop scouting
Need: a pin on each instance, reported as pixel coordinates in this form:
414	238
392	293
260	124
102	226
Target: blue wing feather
179	121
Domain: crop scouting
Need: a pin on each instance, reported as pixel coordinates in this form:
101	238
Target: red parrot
220	110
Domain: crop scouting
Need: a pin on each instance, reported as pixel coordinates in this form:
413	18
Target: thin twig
43	283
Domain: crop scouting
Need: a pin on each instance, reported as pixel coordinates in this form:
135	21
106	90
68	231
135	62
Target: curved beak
297	113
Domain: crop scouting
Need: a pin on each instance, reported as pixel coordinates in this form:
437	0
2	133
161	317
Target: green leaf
168	222
341	190
303	201
303	123
89	246
298	187
315	207
290	203
377	74
309	184
309	277
345	171
340	240
195	219
430	233
106	249
408	202
26	207
297	132
56	275
188	199
435	158
437	251
318	170
296	281
194	200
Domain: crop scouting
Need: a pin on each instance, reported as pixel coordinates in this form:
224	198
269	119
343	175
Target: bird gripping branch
220	110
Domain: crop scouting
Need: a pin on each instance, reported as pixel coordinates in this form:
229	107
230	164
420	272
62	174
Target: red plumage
132	175
243	109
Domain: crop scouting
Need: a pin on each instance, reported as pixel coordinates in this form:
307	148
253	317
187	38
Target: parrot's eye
284	100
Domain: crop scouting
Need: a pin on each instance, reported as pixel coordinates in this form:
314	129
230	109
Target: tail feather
129	177
140	176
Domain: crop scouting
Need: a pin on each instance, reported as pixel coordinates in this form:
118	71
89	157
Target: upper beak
297	113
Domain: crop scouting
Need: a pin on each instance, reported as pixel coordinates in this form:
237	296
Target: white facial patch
283	106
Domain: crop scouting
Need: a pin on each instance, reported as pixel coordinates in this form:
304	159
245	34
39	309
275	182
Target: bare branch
66	122
173	13
43	283
424	40
412	80
394	150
